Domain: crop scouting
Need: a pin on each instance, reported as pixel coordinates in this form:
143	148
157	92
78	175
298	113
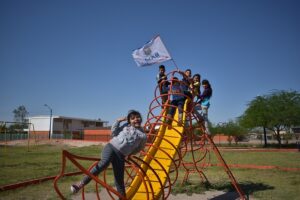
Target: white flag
152	52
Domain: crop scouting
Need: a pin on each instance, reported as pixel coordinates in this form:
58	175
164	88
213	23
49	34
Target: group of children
129	137
188	87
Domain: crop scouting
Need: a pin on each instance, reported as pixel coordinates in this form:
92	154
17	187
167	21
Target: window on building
99	124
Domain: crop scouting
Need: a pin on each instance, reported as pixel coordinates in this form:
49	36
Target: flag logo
147	51
151	53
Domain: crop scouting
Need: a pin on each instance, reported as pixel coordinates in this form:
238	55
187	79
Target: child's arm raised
115	128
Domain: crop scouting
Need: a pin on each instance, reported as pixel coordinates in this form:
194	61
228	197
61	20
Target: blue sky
75	55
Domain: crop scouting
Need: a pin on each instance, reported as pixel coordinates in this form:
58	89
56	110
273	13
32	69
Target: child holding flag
162	82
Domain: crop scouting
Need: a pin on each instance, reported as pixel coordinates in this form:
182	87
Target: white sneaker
75	188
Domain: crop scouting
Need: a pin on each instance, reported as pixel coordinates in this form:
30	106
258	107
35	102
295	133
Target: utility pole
50	120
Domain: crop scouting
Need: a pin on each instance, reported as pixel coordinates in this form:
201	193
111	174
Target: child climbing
194	94
204	103
177	99
128	139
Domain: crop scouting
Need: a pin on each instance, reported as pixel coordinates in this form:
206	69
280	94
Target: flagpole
168	52
175	63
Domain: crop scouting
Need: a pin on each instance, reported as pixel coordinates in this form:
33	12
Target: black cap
132	112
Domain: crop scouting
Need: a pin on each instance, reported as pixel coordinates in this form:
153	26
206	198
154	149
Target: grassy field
17	165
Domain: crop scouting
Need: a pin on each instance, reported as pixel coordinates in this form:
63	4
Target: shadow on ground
226	196
248	188
229	192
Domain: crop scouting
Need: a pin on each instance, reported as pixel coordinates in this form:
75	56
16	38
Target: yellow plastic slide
168	141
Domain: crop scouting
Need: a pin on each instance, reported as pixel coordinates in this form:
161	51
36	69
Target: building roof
64	117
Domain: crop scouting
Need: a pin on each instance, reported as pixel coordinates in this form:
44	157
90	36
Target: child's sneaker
76	187
179	123
169	124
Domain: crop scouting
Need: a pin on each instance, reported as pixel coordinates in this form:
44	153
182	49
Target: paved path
208	195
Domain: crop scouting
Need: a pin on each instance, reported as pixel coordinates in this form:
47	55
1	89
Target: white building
61	127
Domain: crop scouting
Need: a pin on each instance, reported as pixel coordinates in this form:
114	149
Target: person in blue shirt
127	139
187	79
204	103
177	99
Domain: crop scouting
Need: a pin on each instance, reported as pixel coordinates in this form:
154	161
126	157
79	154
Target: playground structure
170	148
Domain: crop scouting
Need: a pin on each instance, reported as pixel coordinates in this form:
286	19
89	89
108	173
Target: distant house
61	127
296	129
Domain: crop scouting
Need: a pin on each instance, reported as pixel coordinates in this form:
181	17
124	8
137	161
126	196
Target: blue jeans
203	114
113	156
179	103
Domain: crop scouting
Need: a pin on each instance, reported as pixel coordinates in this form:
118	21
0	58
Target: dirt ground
74	143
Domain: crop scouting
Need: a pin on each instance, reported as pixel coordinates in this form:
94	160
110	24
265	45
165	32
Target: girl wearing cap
128	138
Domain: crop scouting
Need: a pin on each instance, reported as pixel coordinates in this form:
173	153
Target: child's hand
122	119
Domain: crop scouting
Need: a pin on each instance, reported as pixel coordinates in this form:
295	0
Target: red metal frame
197	145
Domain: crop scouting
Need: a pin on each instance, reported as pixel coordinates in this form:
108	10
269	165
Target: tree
277	111
232	129
285	112
20	114
2	127
257	115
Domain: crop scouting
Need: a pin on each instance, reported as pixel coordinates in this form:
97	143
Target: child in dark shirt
187	81
162	81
